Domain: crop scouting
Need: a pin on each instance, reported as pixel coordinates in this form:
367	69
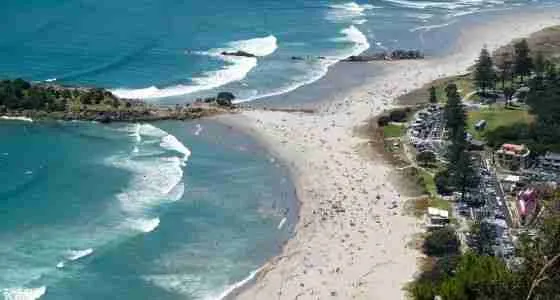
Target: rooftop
436	212
513	149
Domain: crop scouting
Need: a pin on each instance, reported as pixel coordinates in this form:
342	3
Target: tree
426	157
508	94
522	62
463	174
454	111
225	98
484	75
505	65
539	65
483	235
433	94
441	242
443	183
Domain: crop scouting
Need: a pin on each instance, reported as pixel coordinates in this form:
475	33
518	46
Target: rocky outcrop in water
238	53
393	55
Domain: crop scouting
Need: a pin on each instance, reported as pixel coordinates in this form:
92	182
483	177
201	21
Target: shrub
225	98
399	115
426	157
443	183
441	242
383	121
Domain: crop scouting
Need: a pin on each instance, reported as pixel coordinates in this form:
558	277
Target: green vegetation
496	116
428	183
441	242
420	205
393	130
484	75
478	276
433	94
461	172
19	94
523	63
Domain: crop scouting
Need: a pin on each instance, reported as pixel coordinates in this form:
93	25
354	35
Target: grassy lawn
428	181
495	117
464	84
393	130
418	207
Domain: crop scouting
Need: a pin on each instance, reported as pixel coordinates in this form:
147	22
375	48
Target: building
511	182
550	161
527	203
437	218
513	157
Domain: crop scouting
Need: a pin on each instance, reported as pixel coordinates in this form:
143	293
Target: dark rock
297	58
393	55
225	99
238	53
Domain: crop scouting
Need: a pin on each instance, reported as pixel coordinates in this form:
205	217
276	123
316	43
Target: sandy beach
351	240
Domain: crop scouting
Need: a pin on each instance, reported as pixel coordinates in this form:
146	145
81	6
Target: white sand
348	244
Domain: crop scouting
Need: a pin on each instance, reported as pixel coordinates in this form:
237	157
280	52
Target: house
437	218
550	161
513	157
510	182
527	203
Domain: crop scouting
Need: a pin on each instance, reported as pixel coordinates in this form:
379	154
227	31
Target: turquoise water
174	210
168	50
120	212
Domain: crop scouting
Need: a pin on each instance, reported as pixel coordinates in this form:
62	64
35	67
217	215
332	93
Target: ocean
129	212
174	210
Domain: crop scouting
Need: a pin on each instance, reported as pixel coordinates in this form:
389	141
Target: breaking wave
77	254
347	11
24	293
236	68
351	35
156	165
144	225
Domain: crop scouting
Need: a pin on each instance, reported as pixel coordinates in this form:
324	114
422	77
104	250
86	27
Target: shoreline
319	150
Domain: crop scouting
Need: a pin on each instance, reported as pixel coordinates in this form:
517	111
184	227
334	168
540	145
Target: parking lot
486	204
427	131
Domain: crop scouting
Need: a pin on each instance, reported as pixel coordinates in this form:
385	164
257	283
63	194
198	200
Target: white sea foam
281	224
144	225
237	285
347	11
60	265
157	174
24	119
350	35
257	46
170	142
50	80
73	255
359	21
430	27
235	69
24	293
428	4
198	129
136	133
355	36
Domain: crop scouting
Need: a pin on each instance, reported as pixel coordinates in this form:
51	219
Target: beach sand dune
351	241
